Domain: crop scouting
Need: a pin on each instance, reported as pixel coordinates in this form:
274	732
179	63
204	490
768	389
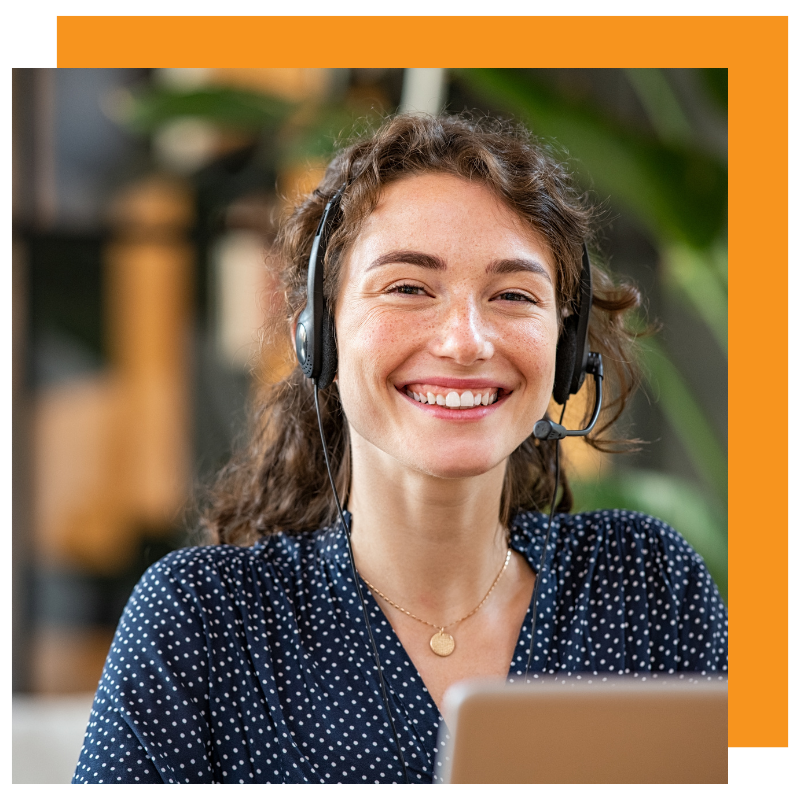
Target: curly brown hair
278	481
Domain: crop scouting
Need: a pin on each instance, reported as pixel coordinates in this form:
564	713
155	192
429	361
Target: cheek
546	362
535	351
370	347
368	354
372	341
535	355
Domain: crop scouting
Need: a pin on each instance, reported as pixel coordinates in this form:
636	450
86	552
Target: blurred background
143	205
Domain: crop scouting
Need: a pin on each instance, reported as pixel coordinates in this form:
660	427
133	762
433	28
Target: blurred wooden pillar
149	298
113	449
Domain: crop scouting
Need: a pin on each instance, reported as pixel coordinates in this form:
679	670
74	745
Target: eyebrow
409	257
502	266
506	265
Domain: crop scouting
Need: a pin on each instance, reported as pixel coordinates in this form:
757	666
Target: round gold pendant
442	644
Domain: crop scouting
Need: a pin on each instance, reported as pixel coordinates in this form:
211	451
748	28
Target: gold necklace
443	643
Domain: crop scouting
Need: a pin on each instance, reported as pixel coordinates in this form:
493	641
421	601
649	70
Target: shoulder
280	550
273	561
224	590
612	536
625	528
275	565
622	569
618	545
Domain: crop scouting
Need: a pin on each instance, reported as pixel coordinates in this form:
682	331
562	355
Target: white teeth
453	400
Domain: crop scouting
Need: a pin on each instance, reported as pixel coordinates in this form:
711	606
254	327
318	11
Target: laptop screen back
588	729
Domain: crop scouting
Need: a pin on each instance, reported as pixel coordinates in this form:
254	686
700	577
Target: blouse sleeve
149	719
682	593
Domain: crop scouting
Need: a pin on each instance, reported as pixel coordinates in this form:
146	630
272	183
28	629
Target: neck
432	545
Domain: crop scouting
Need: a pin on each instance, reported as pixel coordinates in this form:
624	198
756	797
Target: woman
453	259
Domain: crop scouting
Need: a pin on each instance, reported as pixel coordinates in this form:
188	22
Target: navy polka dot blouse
252	665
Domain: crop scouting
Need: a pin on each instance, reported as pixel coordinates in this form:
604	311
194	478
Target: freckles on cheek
538	348
536	355
374	332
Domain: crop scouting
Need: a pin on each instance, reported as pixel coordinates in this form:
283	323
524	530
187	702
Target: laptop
588	729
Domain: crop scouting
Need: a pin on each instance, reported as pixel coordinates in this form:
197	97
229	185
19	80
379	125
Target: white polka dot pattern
252	665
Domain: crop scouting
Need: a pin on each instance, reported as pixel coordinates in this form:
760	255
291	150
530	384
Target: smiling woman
452	268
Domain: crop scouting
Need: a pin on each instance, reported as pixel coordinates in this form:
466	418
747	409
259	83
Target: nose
462	334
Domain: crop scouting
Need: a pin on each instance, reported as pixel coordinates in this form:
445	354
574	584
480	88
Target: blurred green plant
678	193
148	109
286	132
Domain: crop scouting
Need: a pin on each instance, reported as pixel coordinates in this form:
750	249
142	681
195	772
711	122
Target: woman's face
447	326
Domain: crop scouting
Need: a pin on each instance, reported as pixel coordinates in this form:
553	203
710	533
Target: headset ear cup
565	359
329	357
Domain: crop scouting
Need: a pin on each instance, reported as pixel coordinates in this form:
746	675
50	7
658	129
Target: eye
406	288
516	297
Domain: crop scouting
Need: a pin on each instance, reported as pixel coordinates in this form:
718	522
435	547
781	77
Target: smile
449	398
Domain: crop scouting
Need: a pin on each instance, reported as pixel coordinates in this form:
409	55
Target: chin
450	457
455	474
451	465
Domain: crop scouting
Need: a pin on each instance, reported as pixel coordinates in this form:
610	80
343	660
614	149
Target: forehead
450	214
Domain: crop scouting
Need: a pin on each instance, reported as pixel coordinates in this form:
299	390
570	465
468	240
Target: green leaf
660	104
231	108
685	417
696	275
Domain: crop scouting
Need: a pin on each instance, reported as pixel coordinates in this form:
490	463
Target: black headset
314	336
315	339
315	346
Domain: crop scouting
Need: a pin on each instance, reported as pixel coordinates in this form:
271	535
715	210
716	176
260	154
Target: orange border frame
755	51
